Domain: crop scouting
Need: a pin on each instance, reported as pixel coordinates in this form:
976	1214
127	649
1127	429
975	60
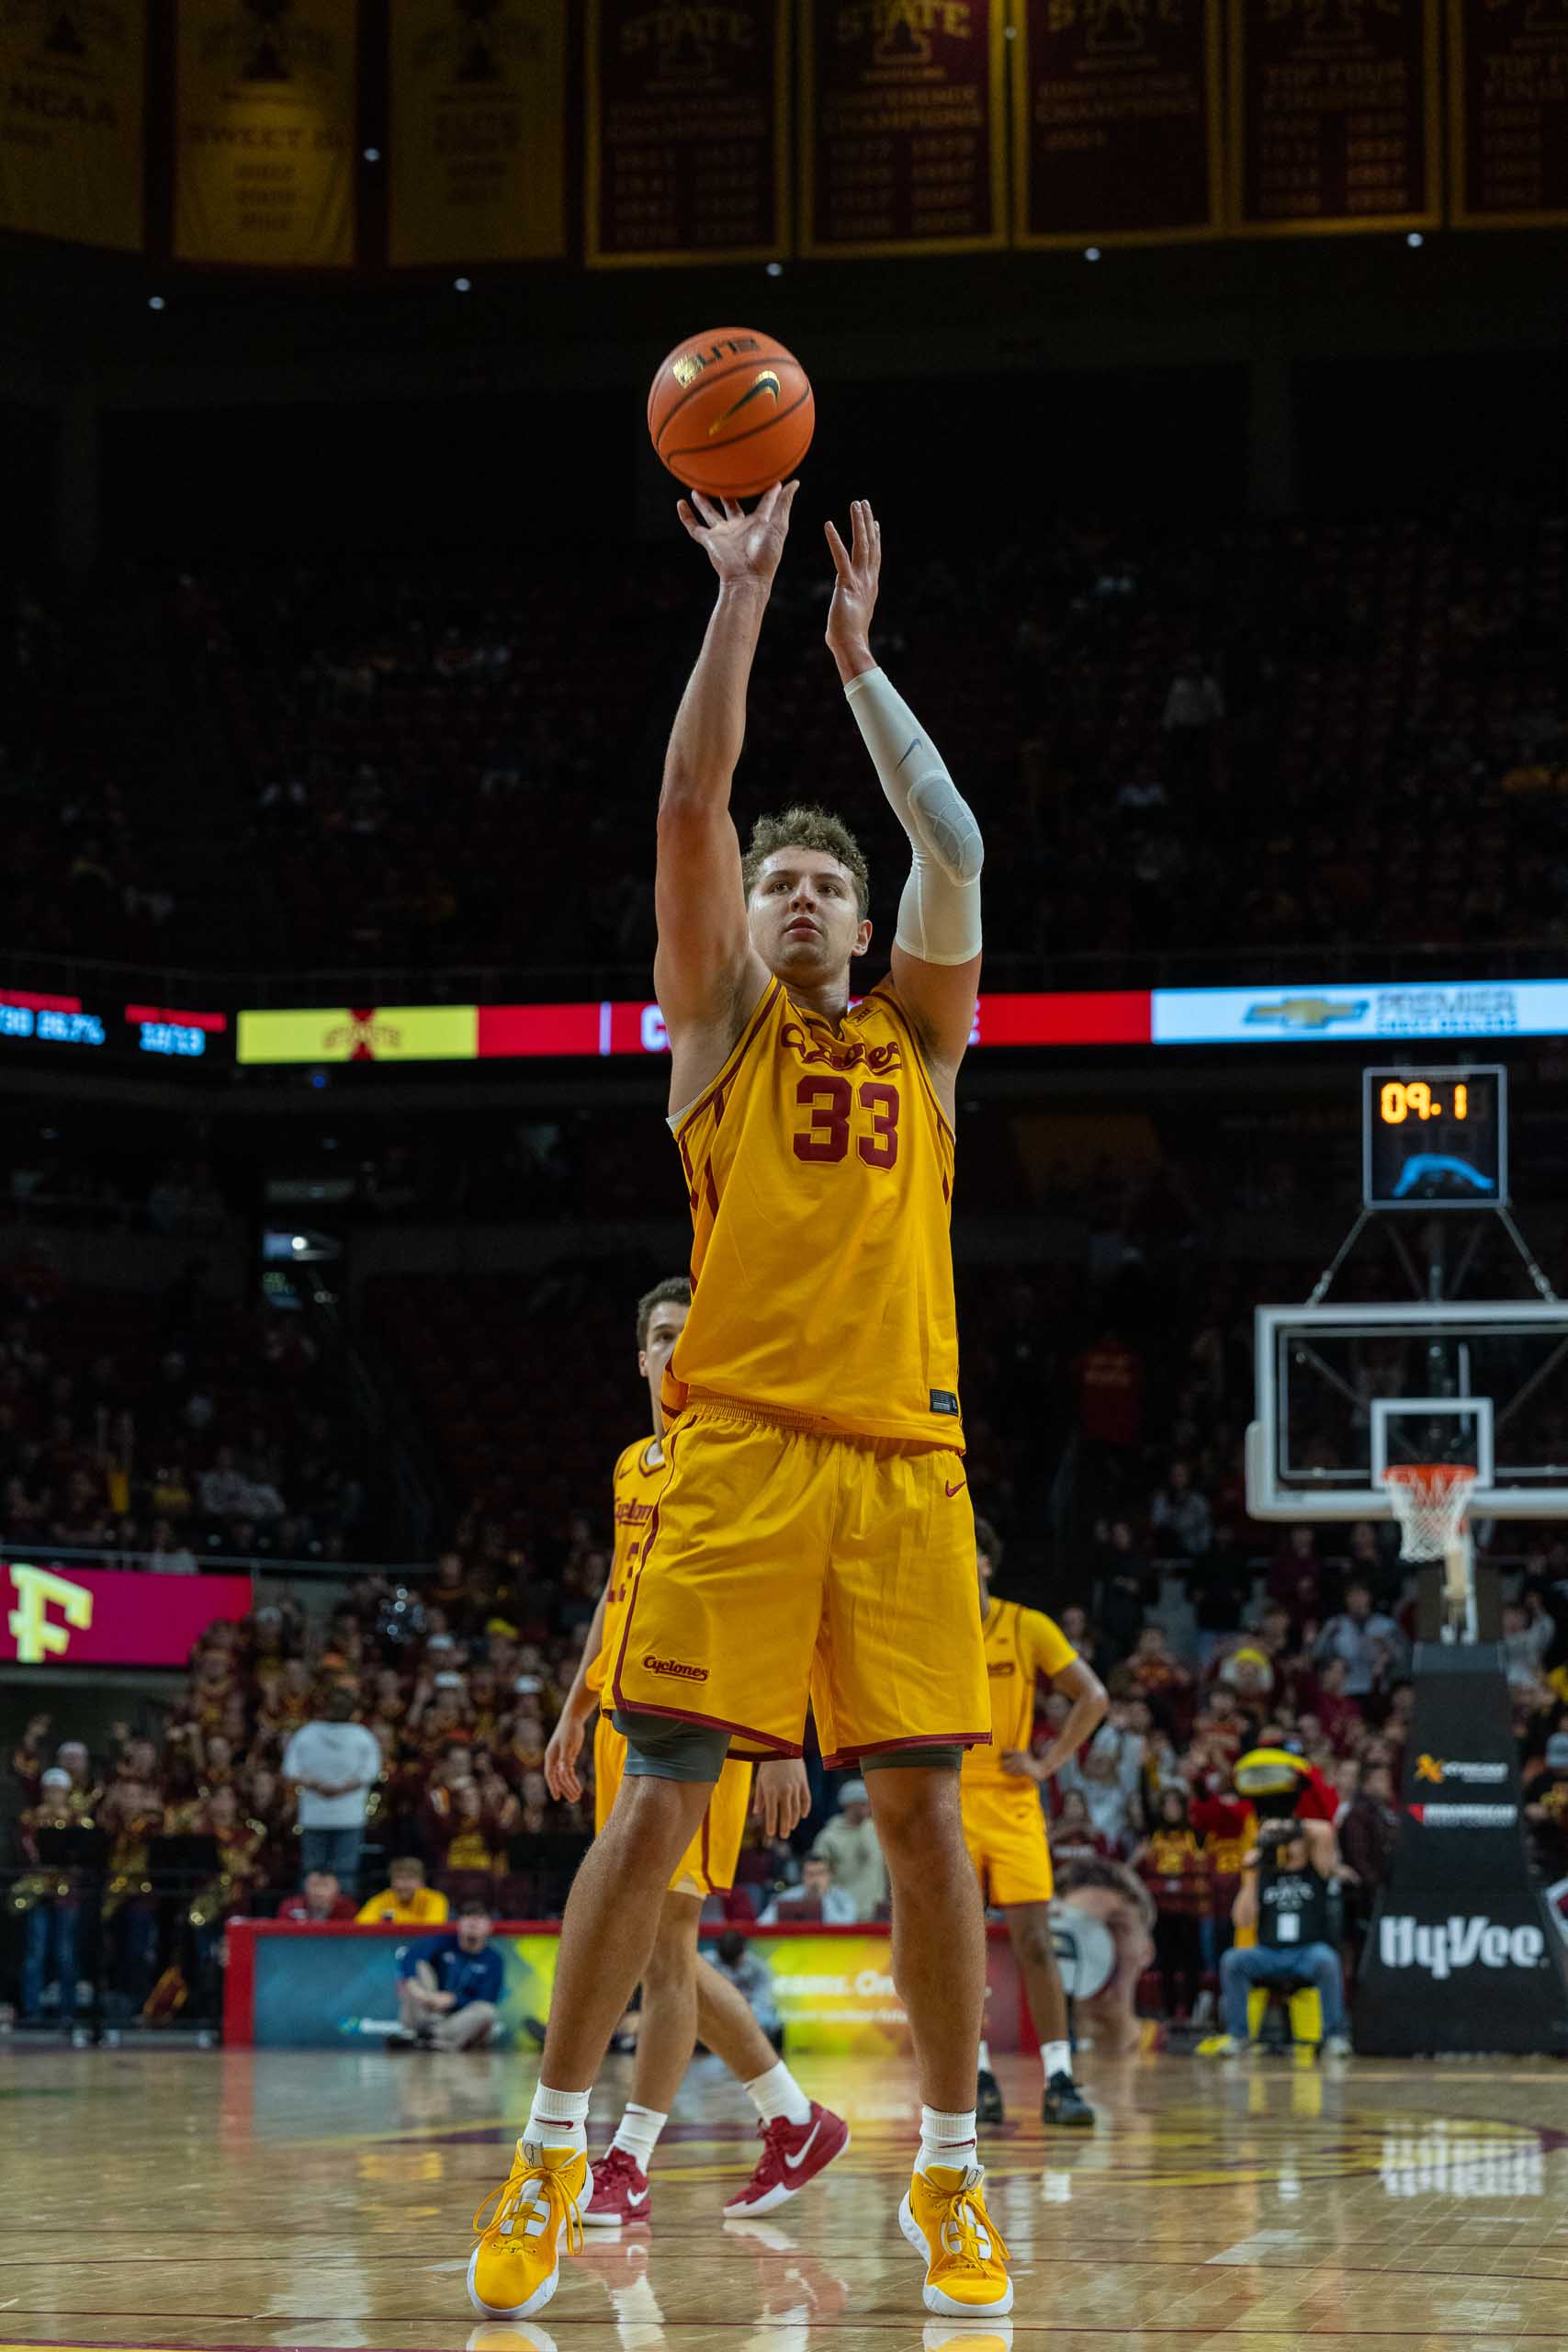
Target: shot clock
1435	1138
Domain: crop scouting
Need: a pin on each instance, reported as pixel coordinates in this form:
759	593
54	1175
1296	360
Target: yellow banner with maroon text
478	118
72	102
264	119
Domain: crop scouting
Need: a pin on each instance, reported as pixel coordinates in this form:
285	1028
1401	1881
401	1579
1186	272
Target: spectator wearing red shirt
320	1899
1109	1382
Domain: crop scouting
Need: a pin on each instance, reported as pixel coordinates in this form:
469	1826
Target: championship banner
1116	122
687	144
265	121
1508	96
902	129
1335	117
72	95
478	110
63	1615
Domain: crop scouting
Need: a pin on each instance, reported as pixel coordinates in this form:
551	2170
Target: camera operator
1287	1890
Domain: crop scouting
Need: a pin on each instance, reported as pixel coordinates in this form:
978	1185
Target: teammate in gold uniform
815	1538
682	1997
1004	1822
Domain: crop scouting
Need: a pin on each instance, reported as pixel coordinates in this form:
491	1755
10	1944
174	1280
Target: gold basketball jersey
638	1482
819	1170
1020	1645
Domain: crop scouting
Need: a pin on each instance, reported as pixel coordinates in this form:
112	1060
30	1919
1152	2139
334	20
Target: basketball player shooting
814	1538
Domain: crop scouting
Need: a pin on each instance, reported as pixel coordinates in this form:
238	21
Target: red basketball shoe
792	2154
620	2192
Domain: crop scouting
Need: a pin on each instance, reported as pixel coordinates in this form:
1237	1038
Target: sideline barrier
296	1985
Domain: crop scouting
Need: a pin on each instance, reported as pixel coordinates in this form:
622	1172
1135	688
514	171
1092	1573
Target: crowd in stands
1265	736
174	1426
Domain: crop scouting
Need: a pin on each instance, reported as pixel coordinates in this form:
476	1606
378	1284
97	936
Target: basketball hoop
1430	1499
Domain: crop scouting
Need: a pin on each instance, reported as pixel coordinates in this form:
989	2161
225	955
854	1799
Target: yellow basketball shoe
515	2267
944	2218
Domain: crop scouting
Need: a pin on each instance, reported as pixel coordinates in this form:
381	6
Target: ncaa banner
72	95
1116	123
687	134
1335	117
265	121
903	126
1508	98
478	110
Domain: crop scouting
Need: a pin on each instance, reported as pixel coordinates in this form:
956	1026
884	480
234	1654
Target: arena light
372	154
1091	253
775	269
1414	238
463	284
156	302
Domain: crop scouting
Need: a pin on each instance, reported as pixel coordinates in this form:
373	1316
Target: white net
1430	1499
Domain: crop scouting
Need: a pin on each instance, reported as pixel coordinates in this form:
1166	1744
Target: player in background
684	1998
1004	1820
814	1540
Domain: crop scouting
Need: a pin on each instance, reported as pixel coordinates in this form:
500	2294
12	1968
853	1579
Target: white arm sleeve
939	914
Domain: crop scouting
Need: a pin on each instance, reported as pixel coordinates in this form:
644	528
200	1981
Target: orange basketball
731	412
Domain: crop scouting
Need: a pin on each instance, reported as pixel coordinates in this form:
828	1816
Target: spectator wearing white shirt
224	1490
171	1556
850	1844
816	1898
1373	1649
333	1763
1180	1516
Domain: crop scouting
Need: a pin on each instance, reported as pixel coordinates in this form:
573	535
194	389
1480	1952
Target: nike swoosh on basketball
956	1490
766	382
795	2162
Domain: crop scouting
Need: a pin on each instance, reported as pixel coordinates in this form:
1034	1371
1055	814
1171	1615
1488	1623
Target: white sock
1057	2057
945	2140
984	2058
778	2094
639	2134
558	2119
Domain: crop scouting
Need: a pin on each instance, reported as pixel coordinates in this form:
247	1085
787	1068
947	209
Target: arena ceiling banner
903	126
1508	114
1116	118
686	139
266	113
1336	117
73	103
478	99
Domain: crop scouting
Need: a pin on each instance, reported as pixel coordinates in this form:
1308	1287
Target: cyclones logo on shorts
676	1666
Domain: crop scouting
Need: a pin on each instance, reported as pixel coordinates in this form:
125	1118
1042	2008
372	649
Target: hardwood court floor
176	2198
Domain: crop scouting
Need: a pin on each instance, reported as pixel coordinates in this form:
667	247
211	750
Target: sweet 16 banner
265	104
70	1616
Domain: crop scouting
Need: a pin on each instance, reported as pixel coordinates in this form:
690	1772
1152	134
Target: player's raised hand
741	546
560	1761
783	1795
859	570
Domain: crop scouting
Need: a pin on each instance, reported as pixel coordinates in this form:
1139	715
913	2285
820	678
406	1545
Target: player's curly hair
1092	1870
675	1290
804	826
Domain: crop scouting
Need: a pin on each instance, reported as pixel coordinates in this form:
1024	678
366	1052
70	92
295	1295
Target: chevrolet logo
765	381
1306	1012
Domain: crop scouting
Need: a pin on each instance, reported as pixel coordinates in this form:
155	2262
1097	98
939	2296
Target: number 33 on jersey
819	1170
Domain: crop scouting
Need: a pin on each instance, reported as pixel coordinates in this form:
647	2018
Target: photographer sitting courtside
1286	1884
449	1986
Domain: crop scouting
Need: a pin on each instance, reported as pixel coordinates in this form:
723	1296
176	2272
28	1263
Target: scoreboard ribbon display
902	126
1116	123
